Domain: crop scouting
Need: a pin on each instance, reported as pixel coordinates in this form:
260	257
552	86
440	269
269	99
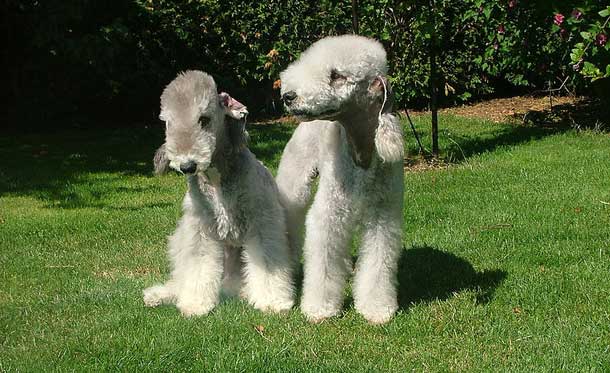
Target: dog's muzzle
188	167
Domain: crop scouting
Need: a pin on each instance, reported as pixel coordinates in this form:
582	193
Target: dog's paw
276	298
277	306
195	309
377	315
316	315
156	295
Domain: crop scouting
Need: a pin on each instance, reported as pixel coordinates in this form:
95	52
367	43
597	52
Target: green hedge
110	60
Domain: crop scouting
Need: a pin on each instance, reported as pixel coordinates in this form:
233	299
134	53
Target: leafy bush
485	46
71	58
587	28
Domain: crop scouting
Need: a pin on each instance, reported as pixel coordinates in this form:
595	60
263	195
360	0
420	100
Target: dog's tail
160	161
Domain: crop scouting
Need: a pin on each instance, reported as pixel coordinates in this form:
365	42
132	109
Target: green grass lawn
506	263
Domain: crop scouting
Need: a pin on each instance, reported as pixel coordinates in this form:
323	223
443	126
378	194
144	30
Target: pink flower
501	29
558	19
577	14
512	4
601	39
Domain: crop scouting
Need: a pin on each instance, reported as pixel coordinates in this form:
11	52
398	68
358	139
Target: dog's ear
381	88
388	135
389	141
160	161
164	116
232	107
236	113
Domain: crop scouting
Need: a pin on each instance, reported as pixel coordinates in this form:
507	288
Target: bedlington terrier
232	203
352	141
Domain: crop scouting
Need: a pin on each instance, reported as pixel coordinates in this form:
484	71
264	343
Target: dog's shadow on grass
426	274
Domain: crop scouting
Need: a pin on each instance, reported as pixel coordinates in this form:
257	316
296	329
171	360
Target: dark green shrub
111	59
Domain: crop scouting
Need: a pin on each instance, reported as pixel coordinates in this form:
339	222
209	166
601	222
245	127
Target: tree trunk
433	80
355	25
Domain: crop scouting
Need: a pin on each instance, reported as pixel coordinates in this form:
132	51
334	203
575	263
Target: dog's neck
224	161
360	124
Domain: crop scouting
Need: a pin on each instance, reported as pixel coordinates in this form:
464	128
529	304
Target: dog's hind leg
296	173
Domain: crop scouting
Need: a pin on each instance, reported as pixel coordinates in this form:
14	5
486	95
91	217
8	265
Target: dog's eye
334	76
204	121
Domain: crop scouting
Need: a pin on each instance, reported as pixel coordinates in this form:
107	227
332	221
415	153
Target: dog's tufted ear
232	107
160	161
388	135
380	87
236	113
389	139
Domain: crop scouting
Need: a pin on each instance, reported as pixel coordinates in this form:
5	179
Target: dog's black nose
188	167
289	96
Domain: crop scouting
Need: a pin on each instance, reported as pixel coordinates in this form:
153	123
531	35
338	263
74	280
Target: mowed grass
506	264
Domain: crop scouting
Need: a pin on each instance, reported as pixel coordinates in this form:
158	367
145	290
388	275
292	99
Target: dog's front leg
295	179
329	228
268	269
374	288
197	267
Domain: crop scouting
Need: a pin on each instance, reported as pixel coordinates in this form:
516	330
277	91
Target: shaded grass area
461	138
505	267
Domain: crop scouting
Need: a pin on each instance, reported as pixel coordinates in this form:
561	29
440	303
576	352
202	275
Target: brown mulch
498	110
286	119
508	109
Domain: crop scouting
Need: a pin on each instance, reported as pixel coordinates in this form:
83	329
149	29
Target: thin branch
355	26
421	147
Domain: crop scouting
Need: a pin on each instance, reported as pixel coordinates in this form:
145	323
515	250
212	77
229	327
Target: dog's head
194	114
335	74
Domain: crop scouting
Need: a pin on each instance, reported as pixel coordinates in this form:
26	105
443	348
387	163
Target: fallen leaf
260	329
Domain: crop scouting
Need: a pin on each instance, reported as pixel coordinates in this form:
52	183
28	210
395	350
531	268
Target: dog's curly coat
231	202
355	145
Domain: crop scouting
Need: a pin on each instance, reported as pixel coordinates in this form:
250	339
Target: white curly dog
350	139
232	202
